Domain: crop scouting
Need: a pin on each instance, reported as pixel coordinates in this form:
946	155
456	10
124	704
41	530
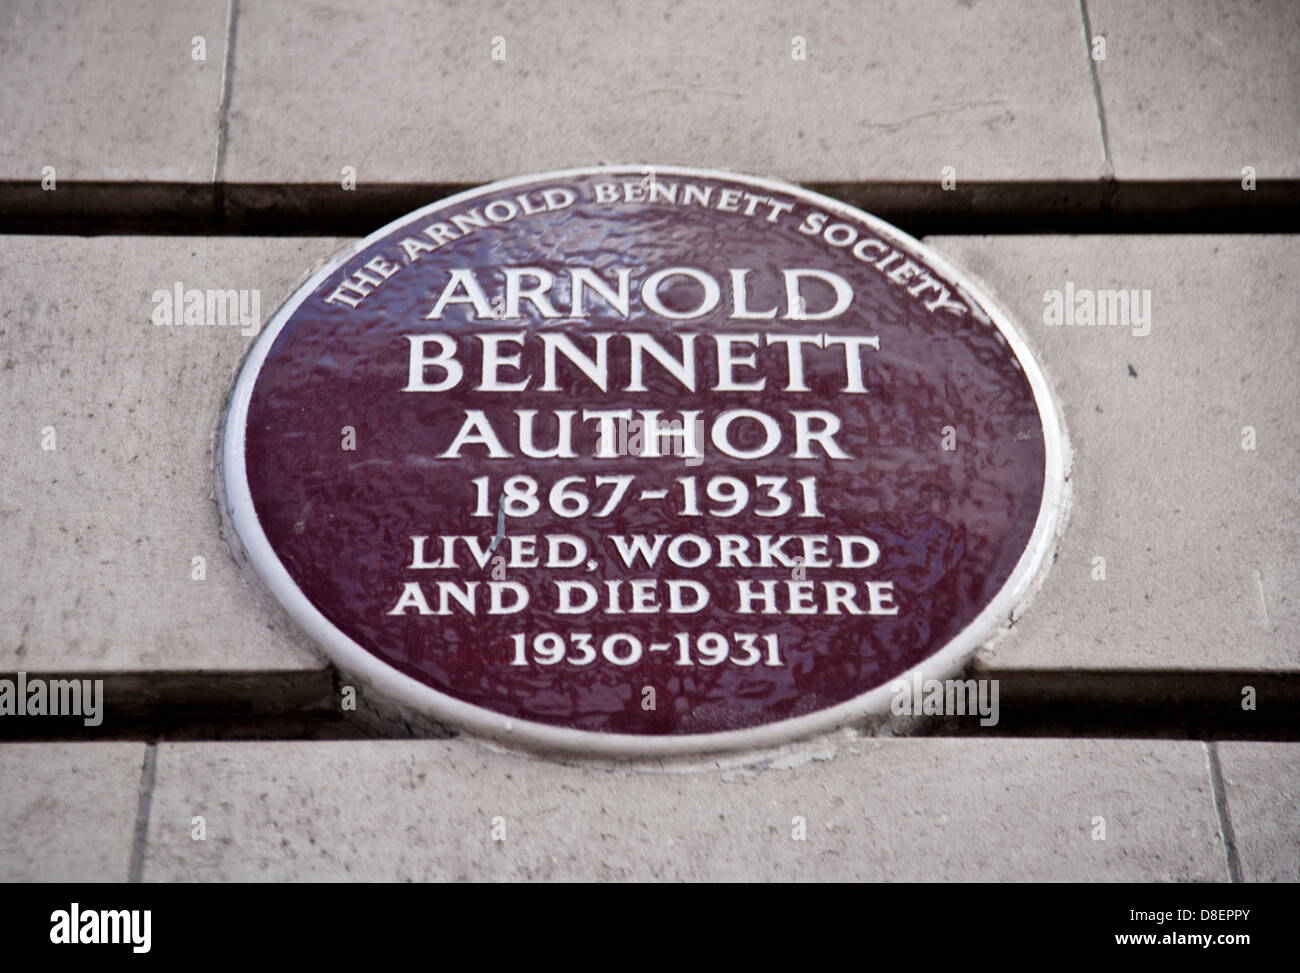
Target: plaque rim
243	529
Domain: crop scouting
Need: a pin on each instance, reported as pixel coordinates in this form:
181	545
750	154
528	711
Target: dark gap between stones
1170	705
921	209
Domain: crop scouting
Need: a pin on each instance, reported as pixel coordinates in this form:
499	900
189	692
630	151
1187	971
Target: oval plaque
633	460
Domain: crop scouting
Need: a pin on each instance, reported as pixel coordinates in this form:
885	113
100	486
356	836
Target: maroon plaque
641	460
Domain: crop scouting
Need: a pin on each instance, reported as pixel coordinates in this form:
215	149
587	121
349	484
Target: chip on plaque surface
642	460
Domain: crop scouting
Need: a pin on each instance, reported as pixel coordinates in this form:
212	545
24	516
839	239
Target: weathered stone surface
898	809
68	810
1262	784
886	92
102	530
1199	90
111	91
1199	537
